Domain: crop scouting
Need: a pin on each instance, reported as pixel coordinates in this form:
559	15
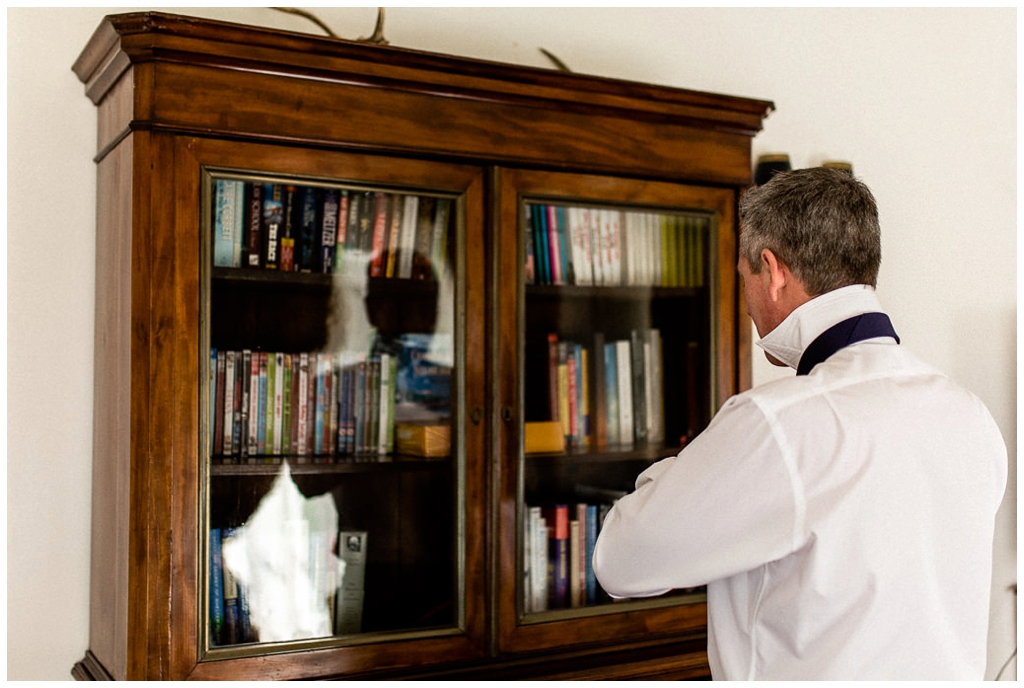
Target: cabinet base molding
89	669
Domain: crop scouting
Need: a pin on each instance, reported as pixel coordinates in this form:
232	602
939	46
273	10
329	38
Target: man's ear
778	275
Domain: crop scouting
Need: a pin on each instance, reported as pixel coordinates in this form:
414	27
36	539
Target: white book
654	224
348	613
407	242
596	246
584	272
540	549
615	217
624	365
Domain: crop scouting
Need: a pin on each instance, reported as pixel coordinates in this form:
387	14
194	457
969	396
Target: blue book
611	384
216	588
229	210
261	411
590	537
541	219
564	247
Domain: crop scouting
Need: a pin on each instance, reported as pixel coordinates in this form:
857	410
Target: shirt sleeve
726	504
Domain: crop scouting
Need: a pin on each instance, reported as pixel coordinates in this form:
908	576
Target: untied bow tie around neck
843	334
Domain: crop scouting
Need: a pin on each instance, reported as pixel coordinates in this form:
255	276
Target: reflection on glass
332	493
616	344
283	562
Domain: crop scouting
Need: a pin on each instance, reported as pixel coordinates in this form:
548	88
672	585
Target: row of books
330	572
558	548
299	228
625	376
604	247
311	406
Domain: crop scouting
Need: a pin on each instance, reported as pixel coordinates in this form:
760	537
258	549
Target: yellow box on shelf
545	437
423	440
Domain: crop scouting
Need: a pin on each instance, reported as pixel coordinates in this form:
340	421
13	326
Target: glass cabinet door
618	353
335	388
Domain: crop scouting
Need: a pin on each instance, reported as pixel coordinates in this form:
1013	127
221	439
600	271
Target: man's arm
729	502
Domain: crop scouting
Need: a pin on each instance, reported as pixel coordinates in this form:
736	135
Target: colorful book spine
216	600
273	219
332	209
254	224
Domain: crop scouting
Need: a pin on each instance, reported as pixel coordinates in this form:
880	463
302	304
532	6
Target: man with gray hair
842	519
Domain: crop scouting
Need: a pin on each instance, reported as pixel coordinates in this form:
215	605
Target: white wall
922	101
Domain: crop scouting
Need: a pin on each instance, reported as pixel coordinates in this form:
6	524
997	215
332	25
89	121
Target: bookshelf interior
339	444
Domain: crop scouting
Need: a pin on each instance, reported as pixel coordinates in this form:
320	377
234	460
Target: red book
558	555
380	232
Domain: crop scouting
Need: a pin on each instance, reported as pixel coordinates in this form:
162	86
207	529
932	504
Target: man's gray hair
820	222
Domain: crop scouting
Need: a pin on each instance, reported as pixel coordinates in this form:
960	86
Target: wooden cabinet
580	212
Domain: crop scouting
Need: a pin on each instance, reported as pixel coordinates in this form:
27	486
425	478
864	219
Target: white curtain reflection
284	557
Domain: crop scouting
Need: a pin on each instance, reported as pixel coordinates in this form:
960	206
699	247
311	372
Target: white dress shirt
842	521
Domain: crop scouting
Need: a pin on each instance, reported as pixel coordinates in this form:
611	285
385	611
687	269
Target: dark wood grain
179	99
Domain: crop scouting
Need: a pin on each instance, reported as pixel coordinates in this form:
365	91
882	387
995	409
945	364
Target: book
439	238
348	613
286	403
332	202
611	371
229	218
537	534
575	554
422	268
407	241
381	210
529	269
639	389
302	396
216	600
248	436
277	415
250	401
624	364
597	398
562	389
550	220
261	414
539	217
394	234
656	387
553	399
310	229
341	217
254	224
291	228
557	518
273	219
543	437
218	416
229	404
422	439
591	530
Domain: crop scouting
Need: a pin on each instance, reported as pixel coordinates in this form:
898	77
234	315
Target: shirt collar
794	334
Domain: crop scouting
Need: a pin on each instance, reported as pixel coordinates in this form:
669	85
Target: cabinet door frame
638	621
174	220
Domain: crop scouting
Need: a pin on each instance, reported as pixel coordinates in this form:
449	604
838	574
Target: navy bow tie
841	335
